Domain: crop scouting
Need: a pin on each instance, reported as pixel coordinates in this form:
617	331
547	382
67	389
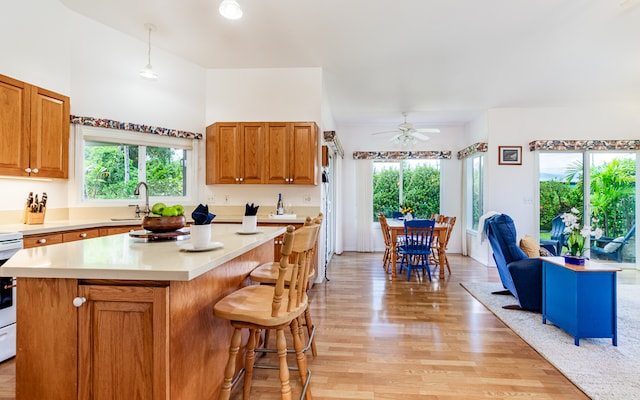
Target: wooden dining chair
417	247
388	246
435	246
260	307
267	274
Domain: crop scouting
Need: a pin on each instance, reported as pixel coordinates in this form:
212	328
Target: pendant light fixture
230	9
147	72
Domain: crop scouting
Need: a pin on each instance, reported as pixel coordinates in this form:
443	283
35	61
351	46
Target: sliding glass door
609	201
612	204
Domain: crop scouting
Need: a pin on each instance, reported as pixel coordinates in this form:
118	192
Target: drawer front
80	235
42	240
118	229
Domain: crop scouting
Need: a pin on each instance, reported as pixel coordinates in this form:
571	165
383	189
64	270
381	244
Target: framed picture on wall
510	155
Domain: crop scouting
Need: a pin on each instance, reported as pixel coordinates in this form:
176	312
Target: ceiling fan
406	134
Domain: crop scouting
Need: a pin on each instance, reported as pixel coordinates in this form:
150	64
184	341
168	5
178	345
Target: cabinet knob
27	170
35	170
237	179
83	235
241	179
42	241
79	301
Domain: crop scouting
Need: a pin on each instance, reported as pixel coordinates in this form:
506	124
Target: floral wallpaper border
331	137
128	126
401	155
564	145
475	148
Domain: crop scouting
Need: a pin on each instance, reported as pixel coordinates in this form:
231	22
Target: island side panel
199	340
46	354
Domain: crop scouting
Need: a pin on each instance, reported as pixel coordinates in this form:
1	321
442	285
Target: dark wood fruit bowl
163	224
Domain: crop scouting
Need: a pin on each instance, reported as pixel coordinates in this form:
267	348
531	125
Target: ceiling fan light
230	9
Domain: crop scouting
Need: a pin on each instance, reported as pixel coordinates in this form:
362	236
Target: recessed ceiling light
230	9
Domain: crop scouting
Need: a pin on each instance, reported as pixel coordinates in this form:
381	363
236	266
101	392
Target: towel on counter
201	215
250	210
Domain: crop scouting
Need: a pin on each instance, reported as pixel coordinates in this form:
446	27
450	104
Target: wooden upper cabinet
253	152
304	153
14	126
235	152
292	153
277	162
262	152
49	134
34	131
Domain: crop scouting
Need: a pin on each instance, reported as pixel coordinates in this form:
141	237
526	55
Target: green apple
169	212
179	209
157	208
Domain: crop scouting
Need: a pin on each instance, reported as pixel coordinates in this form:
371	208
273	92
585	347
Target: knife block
31	218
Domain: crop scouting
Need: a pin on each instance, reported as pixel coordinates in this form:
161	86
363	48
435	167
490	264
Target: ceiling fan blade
420	136
380	133
395	137
427	130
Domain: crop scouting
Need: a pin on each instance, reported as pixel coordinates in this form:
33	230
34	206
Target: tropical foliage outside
111	171
612	196
420	190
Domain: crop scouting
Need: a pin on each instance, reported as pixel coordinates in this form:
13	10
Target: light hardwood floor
397	340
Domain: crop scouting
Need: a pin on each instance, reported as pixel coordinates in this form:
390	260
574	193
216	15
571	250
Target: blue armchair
521	276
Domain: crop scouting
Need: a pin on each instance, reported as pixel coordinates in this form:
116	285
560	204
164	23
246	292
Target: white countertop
73	224
124	257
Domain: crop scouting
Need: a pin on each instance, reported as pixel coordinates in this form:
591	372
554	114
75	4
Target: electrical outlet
307	198
226	199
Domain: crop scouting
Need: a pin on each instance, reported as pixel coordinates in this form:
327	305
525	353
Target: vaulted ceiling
443	61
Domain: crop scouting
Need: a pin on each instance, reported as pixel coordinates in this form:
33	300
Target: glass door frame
587	186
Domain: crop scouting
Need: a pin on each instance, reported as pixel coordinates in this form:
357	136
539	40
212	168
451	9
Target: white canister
249	223
200	235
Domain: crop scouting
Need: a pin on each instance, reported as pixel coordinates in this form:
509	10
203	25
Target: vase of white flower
577	237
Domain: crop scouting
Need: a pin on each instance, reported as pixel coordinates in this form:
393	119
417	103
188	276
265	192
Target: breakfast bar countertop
124	257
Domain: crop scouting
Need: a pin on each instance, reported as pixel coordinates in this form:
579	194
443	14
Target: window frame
469	195
401	168
118	136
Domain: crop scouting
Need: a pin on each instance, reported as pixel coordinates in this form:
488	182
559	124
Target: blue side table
581	300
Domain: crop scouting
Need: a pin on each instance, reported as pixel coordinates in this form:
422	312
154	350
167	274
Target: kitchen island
119	317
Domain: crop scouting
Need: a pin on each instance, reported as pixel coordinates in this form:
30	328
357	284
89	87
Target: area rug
600	369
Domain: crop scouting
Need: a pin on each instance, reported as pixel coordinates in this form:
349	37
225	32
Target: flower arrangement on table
406	210
577	236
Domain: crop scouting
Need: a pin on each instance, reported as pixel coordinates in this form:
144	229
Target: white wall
358	138
97	67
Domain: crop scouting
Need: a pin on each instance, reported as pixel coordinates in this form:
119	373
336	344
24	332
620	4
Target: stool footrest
304	350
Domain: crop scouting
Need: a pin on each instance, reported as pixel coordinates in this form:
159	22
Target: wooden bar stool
260	307
267	274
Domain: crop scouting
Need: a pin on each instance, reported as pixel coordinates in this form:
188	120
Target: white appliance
10	243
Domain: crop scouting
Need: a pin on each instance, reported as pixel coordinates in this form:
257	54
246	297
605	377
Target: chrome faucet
146	210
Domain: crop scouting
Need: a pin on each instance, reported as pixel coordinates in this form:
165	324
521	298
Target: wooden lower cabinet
145	340
123	366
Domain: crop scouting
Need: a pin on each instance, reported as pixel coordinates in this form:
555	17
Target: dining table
396	226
